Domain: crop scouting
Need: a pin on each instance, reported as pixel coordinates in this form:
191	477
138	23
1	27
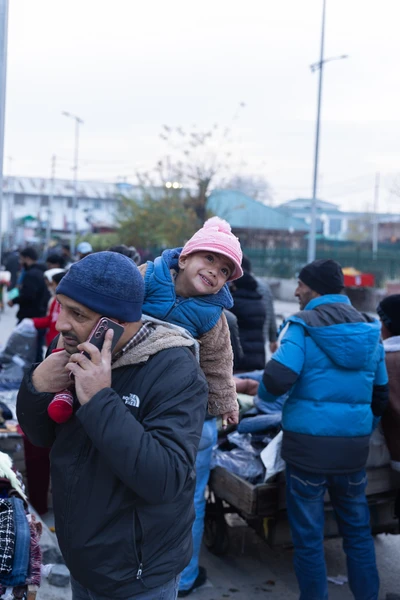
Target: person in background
129	251
270	328
55	261
389	314
249	309
83	249
33	293
53	278
194	575
67	256
37	459
12	264
331	364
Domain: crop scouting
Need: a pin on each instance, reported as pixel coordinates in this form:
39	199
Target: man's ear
182	261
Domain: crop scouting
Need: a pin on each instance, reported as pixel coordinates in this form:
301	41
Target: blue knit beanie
107	283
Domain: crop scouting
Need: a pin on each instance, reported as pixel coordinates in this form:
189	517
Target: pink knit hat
216	236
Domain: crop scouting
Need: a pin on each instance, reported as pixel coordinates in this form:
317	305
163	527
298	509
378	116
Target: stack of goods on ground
253	450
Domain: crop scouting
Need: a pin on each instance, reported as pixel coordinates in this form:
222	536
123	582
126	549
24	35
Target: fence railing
286	263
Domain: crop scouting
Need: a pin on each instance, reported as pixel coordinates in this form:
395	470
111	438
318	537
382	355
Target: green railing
286	263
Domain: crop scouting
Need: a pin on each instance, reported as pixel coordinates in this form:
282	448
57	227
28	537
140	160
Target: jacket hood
349	338
164	335
222	298
350	346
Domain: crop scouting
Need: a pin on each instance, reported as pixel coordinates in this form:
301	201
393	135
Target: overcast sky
127	67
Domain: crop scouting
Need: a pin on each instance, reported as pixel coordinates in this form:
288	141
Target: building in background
335	224
29	202
257	225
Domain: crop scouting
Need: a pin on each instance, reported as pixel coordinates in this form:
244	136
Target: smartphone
99	331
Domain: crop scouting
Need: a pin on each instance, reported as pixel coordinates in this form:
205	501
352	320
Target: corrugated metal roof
33	186
242	211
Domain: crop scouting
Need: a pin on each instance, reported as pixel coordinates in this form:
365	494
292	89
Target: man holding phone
123	466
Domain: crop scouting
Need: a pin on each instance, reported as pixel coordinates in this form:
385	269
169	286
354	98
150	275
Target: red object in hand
61	407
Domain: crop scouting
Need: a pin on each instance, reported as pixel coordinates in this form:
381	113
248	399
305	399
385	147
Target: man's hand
273	347
51	376
91	376
230	418
246	386
10	303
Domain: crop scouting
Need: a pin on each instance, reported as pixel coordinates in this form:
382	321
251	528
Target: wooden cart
263	507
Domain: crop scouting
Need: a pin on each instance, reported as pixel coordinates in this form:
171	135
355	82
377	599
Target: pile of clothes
20	552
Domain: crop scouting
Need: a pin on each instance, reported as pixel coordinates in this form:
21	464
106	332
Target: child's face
202	273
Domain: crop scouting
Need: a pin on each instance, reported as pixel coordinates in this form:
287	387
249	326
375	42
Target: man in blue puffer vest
332	363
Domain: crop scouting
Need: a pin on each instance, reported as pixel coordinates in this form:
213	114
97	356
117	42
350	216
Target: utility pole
375	222
10	237
318	66
51	201
3	78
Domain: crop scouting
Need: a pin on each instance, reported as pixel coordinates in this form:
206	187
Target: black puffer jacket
123	468
33	295
249	309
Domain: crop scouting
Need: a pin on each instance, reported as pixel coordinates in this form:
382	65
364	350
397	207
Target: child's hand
230	418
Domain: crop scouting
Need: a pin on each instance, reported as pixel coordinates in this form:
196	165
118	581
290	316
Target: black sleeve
380	399
237	349
29	291
277	378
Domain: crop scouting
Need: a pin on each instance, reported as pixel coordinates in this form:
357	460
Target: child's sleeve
216	361
143	268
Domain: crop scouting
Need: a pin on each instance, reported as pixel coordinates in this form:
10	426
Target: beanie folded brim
106	306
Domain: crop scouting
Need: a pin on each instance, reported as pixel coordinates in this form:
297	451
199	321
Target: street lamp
78	122
314	67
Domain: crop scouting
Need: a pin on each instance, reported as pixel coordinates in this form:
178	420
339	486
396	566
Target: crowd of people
131	462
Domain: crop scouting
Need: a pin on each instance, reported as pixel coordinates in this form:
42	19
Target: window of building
97	204
19	199
335	226
44	201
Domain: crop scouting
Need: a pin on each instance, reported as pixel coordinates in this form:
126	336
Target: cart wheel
215	537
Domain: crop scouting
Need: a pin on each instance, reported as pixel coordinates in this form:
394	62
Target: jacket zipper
139	572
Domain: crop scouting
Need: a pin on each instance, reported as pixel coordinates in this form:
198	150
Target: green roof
241	211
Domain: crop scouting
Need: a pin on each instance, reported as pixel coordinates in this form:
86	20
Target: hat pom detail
220	224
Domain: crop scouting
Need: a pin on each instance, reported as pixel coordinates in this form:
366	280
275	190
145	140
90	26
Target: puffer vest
197	315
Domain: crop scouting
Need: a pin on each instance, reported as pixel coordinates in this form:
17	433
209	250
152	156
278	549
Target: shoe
198	582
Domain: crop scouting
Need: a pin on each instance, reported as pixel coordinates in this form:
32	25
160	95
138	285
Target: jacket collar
327	299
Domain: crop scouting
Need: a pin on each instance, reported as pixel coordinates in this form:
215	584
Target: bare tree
196	161
255	186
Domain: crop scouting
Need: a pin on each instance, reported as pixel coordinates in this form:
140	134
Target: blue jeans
305	505
203	461
168	591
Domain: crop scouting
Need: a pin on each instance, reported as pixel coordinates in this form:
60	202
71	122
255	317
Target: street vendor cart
263	507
